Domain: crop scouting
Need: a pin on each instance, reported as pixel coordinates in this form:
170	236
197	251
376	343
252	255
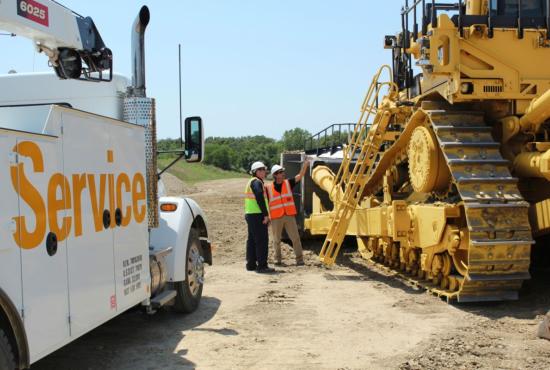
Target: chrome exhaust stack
138	52
140	110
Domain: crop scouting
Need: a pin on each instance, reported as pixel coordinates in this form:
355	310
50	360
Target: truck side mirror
194	138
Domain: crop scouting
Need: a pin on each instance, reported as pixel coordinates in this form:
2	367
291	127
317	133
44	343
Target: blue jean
257	242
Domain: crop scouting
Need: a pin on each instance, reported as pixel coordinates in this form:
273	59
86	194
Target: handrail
329	138
368	107
430	10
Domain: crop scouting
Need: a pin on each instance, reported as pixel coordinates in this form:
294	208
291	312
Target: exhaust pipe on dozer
324	178
140	110
536	114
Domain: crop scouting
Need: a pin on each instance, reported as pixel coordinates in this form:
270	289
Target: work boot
544	327
251	267
265	270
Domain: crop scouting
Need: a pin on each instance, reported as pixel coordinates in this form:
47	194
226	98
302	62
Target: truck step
163	298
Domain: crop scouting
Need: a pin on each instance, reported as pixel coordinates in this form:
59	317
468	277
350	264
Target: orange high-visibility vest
282	203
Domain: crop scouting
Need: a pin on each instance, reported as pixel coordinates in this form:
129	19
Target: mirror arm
177	151
181	154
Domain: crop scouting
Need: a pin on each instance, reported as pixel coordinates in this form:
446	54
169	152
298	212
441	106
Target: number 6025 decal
33	11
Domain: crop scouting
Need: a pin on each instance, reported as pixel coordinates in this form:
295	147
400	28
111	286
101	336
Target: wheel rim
195	270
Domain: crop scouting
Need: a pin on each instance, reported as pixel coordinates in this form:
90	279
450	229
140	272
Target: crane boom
71	42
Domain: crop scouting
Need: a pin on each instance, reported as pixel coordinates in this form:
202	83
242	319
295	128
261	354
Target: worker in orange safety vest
282	211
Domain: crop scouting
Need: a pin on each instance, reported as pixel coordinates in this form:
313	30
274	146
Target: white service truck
84	235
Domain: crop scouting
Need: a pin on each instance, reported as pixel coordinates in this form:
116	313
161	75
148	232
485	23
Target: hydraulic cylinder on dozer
445	176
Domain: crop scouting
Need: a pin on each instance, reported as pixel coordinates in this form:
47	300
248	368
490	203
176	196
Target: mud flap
206	250
544	327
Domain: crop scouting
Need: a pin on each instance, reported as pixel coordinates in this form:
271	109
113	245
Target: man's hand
266	220
303	170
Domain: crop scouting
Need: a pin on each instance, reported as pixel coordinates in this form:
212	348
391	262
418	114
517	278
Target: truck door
86	140
10	254
131	233
42	205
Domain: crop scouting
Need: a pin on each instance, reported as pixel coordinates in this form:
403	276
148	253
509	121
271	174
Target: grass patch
192	173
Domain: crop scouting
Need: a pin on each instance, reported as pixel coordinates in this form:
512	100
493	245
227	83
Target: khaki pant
289	224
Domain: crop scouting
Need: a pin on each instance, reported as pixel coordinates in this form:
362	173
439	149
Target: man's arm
258	190
299	176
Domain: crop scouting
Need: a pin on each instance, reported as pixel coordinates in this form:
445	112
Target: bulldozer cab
512	8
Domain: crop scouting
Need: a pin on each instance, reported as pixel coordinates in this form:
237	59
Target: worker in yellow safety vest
257	219
282	210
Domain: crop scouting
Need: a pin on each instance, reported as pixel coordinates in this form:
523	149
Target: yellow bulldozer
445	176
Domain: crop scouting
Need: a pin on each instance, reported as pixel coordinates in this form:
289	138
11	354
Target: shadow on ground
534	300
134	332
534	297
347	258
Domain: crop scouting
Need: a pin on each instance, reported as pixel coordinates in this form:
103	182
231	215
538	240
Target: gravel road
353	316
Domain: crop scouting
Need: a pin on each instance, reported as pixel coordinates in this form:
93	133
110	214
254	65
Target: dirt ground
353	316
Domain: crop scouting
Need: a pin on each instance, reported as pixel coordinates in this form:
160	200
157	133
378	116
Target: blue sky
250	67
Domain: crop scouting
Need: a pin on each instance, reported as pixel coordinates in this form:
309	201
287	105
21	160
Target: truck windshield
529	8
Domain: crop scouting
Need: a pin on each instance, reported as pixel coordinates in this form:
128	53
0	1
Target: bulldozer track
498	255
496	214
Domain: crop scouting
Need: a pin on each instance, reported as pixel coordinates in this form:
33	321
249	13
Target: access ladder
364	147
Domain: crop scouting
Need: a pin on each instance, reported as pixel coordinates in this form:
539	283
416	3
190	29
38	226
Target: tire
189	292
7	357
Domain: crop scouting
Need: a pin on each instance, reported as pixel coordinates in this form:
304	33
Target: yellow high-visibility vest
250	204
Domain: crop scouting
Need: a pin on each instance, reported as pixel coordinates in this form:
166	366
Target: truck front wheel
7	357
189	292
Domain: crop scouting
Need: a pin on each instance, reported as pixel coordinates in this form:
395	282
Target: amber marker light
168	207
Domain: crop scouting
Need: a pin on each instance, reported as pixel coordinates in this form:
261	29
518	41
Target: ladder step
499	277
447	113
493	230
498	205
481	144
463	128
488	243
163	298
504	180
456	161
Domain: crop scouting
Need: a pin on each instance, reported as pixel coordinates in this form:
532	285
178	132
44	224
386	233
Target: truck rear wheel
7	357
189	292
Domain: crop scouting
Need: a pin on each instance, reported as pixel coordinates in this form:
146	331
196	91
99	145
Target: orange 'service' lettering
79	184
123	179
97	205
111	179
138	195
56	204
110	156
59	198
23	237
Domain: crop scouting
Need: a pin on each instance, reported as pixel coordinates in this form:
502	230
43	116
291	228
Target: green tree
249	149
168	144
221	156
294	139
238	153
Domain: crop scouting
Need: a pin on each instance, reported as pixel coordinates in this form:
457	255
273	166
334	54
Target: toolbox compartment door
86	142
44	266
10	253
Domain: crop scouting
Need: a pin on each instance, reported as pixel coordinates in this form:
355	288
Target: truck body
84	234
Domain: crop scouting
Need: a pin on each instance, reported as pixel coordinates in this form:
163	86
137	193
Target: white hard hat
276	168
256	166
